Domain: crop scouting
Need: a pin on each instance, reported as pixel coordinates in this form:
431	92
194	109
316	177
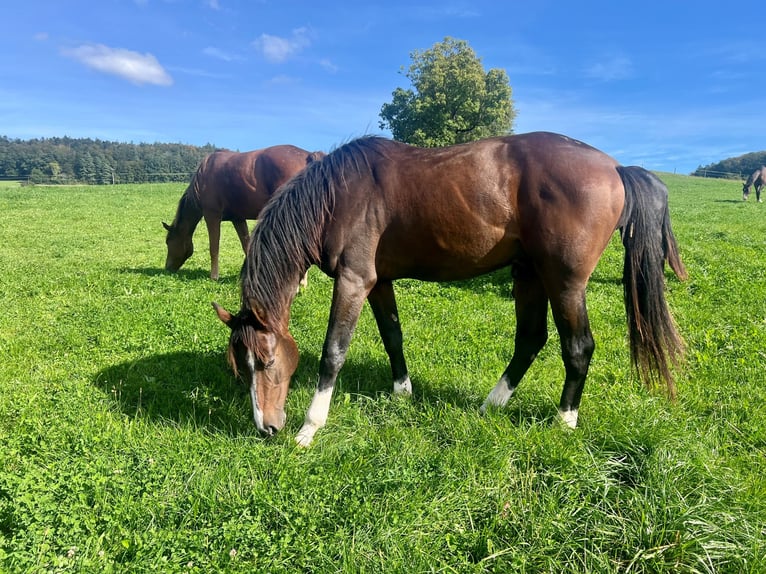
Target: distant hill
84	160
735	167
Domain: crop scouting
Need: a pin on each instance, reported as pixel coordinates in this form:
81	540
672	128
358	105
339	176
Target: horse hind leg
383	304
240	225
531	334
577	347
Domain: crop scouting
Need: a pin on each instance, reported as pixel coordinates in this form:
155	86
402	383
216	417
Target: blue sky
668	85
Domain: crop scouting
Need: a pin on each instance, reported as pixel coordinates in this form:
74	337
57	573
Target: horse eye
269	364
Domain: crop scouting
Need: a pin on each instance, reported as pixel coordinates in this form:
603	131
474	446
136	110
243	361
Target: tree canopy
83	160
734	167
452	100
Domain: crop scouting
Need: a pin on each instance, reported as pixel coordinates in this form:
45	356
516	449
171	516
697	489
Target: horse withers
229	186
375	210
757	179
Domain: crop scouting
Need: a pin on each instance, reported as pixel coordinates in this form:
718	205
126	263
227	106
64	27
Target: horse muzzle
270	425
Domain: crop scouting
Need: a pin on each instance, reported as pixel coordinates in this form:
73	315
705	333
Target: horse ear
166	226
223	314
257	310
314	156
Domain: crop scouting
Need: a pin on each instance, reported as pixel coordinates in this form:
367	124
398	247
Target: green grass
127	446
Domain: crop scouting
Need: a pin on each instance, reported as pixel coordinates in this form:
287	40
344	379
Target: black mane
289	235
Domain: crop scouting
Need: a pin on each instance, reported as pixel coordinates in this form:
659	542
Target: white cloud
328	65
132	66
220	54
277	49
611	69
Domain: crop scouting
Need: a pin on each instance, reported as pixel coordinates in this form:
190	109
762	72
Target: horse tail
655	344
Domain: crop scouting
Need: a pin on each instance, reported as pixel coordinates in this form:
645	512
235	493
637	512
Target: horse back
277	164
459	211
236	185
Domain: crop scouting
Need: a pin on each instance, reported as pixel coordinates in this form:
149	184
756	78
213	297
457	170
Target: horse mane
193	191
753	177
190	201
289	236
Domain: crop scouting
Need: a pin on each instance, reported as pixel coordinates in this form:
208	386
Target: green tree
55	170
86	168
452	100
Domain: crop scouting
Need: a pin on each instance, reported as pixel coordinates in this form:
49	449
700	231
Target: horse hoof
305	436
568	418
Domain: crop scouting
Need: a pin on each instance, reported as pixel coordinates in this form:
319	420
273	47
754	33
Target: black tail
648	238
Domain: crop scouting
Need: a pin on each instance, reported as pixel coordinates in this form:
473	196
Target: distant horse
756	179
375	210
229	186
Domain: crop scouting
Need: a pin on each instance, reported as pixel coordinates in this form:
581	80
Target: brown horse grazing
229	186
375	210
756	179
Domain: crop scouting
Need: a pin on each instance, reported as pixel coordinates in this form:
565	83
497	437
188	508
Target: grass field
127	446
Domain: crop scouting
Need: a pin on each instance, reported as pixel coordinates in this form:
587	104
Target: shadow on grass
200	389
181	274
182	387
185	388
499	281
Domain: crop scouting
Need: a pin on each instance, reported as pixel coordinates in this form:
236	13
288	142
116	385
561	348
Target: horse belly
444	257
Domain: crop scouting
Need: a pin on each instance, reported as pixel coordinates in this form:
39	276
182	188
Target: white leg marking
316	417
403	386
498	396
569	418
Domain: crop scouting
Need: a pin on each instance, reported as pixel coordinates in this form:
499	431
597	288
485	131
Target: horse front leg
213	223
349	293
531	335
383	304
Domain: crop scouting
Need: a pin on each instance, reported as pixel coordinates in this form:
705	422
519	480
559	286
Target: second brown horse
229	186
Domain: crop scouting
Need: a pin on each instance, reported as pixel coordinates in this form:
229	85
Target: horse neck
189	212
272	309
269	283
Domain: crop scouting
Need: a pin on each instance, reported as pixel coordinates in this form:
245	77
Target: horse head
180	247
265	359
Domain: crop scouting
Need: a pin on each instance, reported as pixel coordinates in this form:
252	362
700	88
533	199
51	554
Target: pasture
127	446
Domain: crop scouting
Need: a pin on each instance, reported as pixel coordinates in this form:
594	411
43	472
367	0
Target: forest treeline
83	160
735	167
